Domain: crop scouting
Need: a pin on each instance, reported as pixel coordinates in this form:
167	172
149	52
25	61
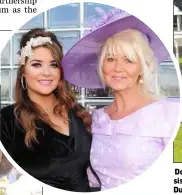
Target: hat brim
80	62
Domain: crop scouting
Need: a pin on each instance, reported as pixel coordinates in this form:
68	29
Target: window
178	49
178	36
69	28
58	17
37	21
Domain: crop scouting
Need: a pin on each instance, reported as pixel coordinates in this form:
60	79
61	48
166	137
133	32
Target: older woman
132	132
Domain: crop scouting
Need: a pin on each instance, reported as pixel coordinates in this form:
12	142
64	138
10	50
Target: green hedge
178	146
2	191
180	61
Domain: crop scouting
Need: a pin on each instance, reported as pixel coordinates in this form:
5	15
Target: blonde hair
133	45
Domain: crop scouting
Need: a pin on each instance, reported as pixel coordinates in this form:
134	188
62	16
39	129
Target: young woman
46	132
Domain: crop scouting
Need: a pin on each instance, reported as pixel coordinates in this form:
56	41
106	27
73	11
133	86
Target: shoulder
8	108
97	114
76	115
72	112
8	121
171	110
7	112
162	109
77	108
99	111
168	109
170	104
100	121
8	128
161	118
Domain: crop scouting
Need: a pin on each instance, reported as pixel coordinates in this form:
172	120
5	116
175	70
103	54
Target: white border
147	183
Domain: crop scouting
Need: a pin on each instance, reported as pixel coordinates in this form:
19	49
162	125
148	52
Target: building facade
69	29
178	35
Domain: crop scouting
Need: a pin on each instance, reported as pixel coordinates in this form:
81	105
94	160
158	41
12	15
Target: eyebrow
41	61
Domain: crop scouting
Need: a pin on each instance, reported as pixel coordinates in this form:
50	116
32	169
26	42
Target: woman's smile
45	82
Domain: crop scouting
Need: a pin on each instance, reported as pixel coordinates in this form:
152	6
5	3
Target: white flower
27	51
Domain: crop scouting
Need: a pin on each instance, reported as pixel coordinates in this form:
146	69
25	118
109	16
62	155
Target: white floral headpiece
34	42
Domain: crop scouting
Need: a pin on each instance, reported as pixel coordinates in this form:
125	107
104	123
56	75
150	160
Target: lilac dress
123	149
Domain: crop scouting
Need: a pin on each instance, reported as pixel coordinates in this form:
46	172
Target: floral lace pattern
34	42
106	18
123	149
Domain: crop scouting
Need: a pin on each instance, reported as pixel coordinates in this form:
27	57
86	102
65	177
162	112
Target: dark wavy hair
27	111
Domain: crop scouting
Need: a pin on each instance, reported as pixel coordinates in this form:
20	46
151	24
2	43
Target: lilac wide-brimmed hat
80	62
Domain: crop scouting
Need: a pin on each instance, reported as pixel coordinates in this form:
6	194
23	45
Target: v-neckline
69	127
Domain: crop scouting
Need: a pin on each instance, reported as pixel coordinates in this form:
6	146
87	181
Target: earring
140	81
22	83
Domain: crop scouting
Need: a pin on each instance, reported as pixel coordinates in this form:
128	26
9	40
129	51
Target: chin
45	92
118	87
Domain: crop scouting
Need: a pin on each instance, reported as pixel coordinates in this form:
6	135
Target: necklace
46	110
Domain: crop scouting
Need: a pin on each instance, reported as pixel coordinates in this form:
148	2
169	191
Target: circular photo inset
93	110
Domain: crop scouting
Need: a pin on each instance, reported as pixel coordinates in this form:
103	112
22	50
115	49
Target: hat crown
111	16
80	62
